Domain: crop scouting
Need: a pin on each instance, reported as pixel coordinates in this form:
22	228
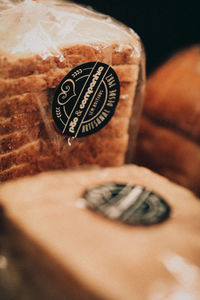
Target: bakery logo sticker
133	205
86	99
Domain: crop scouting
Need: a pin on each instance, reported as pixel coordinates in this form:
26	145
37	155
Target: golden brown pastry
55	247
169	136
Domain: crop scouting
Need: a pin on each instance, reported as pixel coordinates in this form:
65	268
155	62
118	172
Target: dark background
165	27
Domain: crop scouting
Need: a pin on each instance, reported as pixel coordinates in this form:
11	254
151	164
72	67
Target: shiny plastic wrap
54	246
43	42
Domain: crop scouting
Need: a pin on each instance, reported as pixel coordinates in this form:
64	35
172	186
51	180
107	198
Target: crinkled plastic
41	42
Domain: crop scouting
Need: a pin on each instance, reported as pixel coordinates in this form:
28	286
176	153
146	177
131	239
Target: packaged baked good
57	244
71	87
169	136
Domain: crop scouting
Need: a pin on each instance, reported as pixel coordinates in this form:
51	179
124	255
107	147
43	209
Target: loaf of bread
48	40
169	137
56	244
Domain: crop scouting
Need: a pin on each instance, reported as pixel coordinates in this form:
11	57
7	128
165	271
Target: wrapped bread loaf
55	245
50	40
169	138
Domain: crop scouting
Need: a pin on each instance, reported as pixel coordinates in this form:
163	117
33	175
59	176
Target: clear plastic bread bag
71	88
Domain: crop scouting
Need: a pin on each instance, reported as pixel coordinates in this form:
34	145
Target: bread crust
173	91
169	137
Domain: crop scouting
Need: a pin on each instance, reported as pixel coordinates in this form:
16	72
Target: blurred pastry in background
169	134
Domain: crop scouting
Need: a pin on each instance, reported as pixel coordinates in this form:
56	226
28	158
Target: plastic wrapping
52	249
41	42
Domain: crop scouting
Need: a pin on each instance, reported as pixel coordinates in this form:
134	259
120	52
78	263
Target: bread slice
74	55
13	141
19	122
24	103
24	154
55	249
18	171
50	79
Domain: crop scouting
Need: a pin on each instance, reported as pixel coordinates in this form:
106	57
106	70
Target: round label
134	205
85	100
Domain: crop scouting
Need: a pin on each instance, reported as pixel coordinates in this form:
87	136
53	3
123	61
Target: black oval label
129	204
85	100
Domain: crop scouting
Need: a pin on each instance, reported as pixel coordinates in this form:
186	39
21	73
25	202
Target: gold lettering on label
111	81
112	98
101	117
104	114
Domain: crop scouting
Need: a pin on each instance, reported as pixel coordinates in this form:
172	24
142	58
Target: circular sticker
129	204
85	100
